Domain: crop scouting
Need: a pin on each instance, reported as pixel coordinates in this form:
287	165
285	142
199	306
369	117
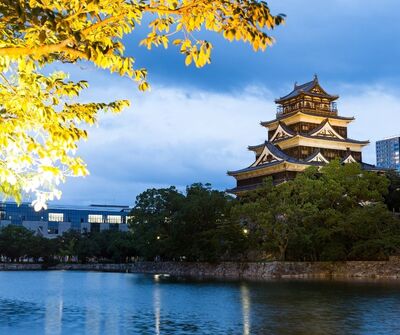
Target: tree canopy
194	226
392	198
18	243
333	213
41	119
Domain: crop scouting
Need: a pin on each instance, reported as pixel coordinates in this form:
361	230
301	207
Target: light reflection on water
54	306
58	303
245	297
157	306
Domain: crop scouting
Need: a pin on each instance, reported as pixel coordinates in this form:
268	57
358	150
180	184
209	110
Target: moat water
61	302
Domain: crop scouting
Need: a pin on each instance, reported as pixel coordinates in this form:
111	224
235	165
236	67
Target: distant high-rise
387	153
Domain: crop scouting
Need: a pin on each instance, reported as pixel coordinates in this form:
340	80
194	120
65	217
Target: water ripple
59	303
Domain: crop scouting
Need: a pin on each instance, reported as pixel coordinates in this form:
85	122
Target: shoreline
235	270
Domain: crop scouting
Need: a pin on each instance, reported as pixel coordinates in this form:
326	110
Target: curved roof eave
350	140
266	123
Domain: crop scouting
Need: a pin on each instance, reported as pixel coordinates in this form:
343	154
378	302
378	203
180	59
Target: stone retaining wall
232	270
20	266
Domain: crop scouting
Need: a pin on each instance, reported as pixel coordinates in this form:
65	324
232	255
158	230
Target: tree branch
15	52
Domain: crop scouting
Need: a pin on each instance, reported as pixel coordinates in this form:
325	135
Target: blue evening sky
196	124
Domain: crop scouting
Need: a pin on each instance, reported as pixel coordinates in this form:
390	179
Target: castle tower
307	131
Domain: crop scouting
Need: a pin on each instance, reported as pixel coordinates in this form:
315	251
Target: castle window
304	152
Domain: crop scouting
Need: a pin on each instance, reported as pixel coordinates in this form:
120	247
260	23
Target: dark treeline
335	213
195	226
18	243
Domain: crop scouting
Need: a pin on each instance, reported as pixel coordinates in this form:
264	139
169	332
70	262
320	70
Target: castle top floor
308	98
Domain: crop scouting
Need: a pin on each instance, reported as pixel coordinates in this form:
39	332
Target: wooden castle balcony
327	110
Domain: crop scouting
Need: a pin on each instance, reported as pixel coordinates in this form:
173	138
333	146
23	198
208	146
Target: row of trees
335	213
195	226
18	243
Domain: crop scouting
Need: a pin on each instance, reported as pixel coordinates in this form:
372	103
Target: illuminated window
56	217
114	219
95	218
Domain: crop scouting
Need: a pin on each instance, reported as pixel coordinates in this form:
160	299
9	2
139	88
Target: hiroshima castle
307	132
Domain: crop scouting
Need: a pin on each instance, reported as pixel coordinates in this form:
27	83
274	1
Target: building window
95	218
114	219
56	217
52	231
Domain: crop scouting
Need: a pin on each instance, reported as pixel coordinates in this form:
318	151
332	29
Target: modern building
307	131
387	153
57	219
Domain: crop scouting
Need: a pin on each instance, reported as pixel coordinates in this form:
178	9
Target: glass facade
58	219
114	219
387	153
95	218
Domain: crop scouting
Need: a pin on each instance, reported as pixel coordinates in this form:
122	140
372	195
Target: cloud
171	136
178	135
196	123
377	112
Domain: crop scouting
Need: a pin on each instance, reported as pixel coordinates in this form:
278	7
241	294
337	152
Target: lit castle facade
307	132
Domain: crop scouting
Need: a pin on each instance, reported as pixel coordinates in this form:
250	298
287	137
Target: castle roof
281	158
370	167
306	135
312	88
284	116
315	155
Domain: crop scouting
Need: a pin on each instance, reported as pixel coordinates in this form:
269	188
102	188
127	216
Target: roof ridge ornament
315	77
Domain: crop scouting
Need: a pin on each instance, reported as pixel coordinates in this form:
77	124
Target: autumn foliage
41	119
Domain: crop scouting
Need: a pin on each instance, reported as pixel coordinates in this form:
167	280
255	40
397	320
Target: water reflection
245	299
313	307
93	303
157	304
111	318
54	304
53	316
92	306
